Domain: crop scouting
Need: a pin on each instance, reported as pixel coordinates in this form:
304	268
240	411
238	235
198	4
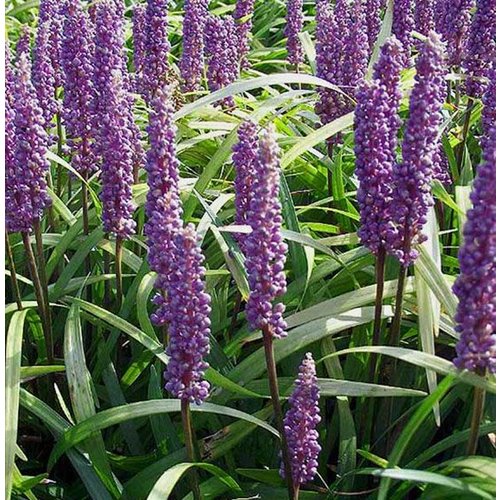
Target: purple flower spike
481	47
441	167
402	25
43	74
373	20
294	24
76	61
489	104
475	286
23	45
264	247
453	19
341	56
156	68
139	36
300	424
163	206
117	161
243	19
244	155
424	16
221	50
376	126
193	27
188	321
26	196
412	196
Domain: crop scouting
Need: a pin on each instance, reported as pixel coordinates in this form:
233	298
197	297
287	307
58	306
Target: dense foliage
257	237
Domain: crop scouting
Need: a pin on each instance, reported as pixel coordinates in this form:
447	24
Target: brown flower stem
234	318
275	398
118	271
398	309
59	153
477	415
39	296
465	131
43	280
13	275
107	287
379	296
188	437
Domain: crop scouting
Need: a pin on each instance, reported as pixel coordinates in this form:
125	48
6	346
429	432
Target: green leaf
31	372
425	360
409	430
420	476
314	138
81	395
165	485
13	354
119	414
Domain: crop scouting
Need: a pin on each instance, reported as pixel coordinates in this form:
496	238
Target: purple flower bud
221	50
163	206
265	249
193	27
76	61
453	19
475	286
188	320
373	20
441	171
23	45
402	25
9	73
424	16
243	19
117	161
489	103
412	196
156	67
27	166
244	155
341	56
43	74
376	125
481	47
293	27
300	424
139	37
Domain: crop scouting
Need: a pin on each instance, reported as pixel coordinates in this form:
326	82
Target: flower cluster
476	284
117	161
23	45
156	67
244	155
489	103
341	56
27	166
193	27
300	424
188	320
264	247
403	23
293	27
481	47
242	16
412	197
424	16
373	20
454	25
76	61
221	50
139	38
43	73
163	207
376	125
